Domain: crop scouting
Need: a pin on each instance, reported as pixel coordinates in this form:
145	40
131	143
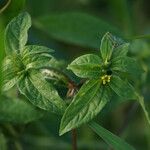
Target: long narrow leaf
114	141
74	27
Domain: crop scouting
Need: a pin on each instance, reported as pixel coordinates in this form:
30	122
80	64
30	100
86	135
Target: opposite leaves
28	67
103	79
23	64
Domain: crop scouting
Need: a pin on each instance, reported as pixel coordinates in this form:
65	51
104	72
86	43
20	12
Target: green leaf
127	65
12	68
16	33
18	111
122	88
36	57
76	28
9	74
88	102
31	50
41	93
141	101
14	8
107	46
114	141
86	66
121	50
3	143
1	50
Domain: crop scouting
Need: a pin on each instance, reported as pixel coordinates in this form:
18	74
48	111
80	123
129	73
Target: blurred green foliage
73	28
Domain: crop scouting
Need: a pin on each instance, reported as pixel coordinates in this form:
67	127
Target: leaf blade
87	104
16	33
127	65
41	93
120	50
111	139
122	88
35	57
77	28
86	66
18	111
106	47
142	103
9	74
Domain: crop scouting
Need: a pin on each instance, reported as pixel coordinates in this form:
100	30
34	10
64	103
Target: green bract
23	63
104	74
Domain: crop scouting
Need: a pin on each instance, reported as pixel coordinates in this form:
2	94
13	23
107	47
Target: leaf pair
23	63
104	77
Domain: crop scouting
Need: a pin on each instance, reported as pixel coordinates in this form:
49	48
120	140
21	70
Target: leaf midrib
87	102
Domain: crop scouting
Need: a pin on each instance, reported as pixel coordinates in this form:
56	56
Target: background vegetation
74	28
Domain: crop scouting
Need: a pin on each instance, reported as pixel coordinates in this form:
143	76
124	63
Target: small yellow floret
104	82
102	77
105	79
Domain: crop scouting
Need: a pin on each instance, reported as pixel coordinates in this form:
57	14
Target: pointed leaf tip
88	102
16	33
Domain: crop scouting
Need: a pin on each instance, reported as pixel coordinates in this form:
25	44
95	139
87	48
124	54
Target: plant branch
14	134
5	6
131	112
72	89
66	78
74	139
146	36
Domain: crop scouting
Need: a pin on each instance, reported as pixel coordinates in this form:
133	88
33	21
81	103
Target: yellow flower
105	79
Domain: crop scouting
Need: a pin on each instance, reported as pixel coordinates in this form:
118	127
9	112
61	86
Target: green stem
5	6
71	92
129	116
15	136
146	36
18	145
64	77
72	87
